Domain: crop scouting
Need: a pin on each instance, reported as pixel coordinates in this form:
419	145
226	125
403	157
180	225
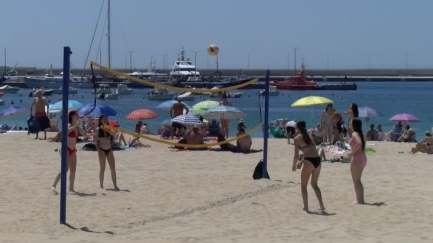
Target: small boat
9	89
273	91
111	96
103	89
122	89
60	91
298	82
234	94
45	92
187	96
160	94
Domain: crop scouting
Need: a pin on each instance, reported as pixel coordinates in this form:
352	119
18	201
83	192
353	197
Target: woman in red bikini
104	140
73	132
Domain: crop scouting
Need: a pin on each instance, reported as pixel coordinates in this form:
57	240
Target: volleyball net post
266	128
64	163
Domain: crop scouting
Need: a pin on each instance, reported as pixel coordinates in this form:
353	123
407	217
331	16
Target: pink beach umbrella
404	118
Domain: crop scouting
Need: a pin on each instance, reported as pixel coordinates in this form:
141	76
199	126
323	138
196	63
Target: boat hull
35	83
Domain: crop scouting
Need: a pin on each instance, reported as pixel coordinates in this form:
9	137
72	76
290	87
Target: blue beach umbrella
223	112
13	111
186	119
168	104
72	104
96	110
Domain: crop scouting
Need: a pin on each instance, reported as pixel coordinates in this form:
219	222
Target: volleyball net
145	108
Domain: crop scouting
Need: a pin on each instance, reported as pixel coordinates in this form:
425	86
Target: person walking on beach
352	112
177	110
104	140
311	164
225	122
358	158
41	115
74	130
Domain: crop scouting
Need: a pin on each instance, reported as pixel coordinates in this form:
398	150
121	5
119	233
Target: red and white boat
297	82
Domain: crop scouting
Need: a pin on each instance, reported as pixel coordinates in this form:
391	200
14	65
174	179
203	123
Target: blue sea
388	98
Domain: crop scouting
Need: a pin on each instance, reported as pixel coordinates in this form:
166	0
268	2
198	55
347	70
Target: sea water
388	98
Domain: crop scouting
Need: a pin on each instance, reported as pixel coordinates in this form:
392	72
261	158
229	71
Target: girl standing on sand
352	112
104	140
359	159
327	122
74	130
311	164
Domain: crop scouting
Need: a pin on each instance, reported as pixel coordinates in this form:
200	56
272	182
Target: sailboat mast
5	61
109	36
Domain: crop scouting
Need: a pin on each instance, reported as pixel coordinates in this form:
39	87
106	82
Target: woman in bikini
73	132
104	139
352	112
358	158
311	164
327	121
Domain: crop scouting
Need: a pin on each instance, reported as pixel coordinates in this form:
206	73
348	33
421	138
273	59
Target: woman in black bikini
103	140
311	164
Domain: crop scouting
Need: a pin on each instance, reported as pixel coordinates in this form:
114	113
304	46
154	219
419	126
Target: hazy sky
347	31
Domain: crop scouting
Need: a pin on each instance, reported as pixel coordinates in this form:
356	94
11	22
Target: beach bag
89	147
33	125
258	171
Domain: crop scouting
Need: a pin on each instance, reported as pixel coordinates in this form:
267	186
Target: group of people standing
103	139
310	164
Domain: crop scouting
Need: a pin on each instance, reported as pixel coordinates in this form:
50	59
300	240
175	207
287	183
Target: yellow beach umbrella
311	101
206	104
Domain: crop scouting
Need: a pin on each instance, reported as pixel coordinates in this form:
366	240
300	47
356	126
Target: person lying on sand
136	143
425	145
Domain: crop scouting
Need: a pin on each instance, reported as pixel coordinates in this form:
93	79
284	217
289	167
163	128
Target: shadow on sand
85	229
83	194
121	190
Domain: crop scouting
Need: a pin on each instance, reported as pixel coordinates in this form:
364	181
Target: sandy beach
209	196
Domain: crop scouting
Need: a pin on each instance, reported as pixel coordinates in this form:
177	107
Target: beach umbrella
206	104
13	111
142	114
168	104
368	112
72	105
312	101
186	119
97	110
113	123
223	112
291	124
404	118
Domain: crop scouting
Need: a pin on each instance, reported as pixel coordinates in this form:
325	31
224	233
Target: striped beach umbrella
223	112
187	119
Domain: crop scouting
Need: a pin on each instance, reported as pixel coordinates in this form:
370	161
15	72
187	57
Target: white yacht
122	89
183	70
50	81
9	89
103	89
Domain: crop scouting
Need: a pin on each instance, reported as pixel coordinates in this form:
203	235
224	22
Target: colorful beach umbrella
206	104
72	105
186	119
404	118
142	114
368	112
13	111
223	112
311	101
92	110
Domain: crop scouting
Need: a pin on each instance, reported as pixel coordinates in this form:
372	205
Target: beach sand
209	196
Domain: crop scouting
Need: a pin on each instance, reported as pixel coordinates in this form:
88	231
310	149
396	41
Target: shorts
44	122
290	130
177	125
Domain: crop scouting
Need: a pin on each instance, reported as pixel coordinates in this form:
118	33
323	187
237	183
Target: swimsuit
106	151
40	113
315	161
360	155
72	134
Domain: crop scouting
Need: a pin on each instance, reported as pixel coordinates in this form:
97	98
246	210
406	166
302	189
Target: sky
334	34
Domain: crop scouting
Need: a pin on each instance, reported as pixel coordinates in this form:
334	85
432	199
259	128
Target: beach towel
333	149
